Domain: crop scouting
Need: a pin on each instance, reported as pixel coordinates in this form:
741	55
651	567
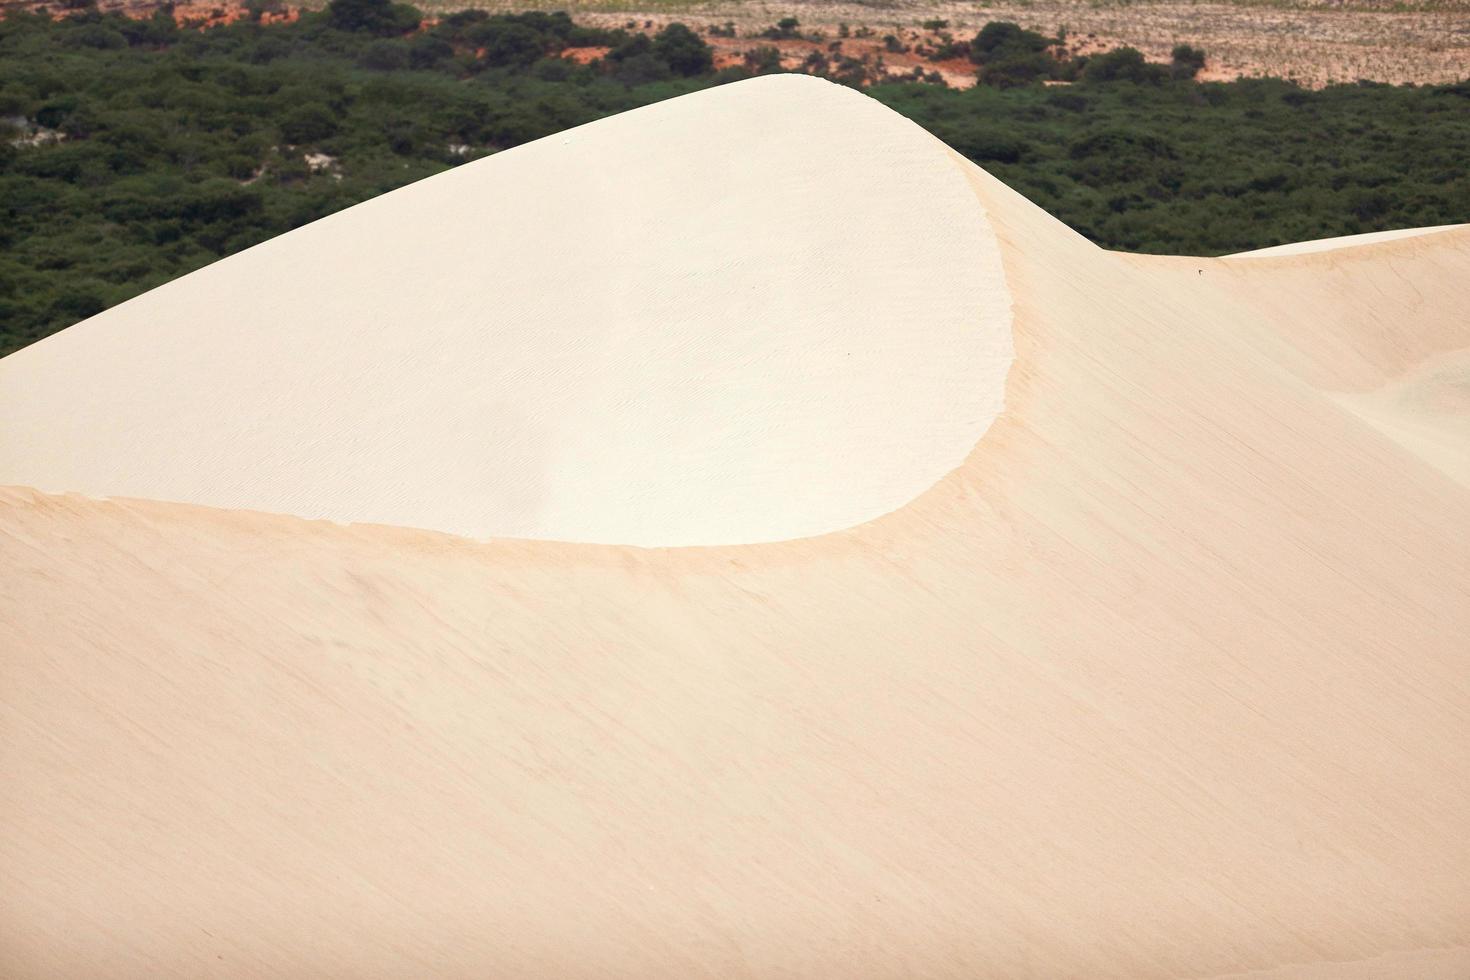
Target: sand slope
1168	679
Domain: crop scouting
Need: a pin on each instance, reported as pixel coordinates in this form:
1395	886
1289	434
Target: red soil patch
211	14
587	55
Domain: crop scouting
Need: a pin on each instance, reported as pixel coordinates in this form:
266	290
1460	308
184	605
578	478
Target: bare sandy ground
1166	680
1313	43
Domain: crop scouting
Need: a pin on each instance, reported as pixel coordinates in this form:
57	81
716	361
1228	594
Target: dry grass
1316	42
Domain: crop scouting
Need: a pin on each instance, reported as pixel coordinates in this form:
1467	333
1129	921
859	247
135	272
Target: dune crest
1341	242
714	320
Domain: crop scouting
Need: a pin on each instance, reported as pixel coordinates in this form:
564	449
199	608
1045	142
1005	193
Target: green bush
508	43
1123	65
382	56
1186	62
308	124
380	17
1001	39
683	51
785	28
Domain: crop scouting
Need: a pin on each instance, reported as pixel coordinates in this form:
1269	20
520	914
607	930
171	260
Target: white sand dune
1163	675
651	330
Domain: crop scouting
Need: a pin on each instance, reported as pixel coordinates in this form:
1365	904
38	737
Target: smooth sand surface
1428	411
1342	241
676	326
1168	679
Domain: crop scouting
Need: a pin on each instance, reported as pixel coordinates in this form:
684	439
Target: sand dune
1164	677
651	330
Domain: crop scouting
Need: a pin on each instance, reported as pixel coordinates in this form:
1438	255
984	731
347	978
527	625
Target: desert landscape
1313	42
761	601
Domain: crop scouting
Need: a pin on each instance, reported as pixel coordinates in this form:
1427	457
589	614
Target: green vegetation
1008	56
134	151
785	28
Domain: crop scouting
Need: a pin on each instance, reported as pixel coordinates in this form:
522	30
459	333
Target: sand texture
1166	677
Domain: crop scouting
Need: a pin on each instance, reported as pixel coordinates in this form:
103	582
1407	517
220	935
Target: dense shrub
1000	39
1009	55
310	122
682	50
1124	65
372	16
1186	62
785	28
508	44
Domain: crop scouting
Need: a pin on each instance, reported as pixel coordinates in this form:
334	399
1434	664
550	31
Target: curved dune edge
682	325
1042	226
1342	242
1386	345
1426	410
